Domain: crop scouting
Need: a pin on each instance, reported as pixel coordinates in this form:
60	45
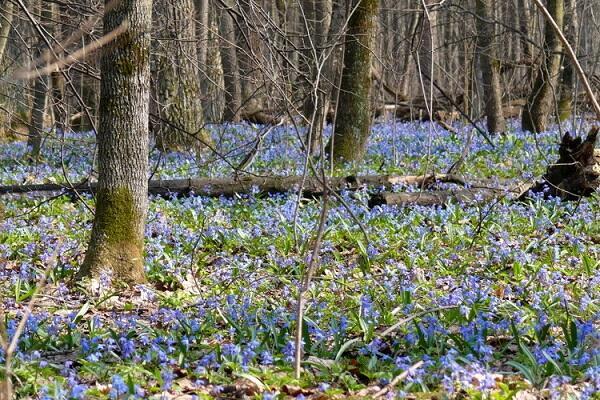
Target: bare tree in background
568	75
318	15
178	84
490	68
231	71
40	91
257	61
536	111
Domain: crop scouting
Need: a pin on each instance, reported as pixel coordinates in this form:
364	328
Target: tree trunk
179	97
231	72
526	47
213	82
318	14
58	83
36	123
428	43
568	75
486	46
202	12
540	102
6	17
249	57
40	93
117	240
353	119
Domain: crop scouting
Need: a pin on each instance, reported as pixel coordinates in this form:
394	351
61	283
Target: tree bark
213	83
179	97
117	241
202	11
568	75
6	17
40	93
486	46
58	82
540	102
318	19
353	119
231	72
428	43
249	58
526	47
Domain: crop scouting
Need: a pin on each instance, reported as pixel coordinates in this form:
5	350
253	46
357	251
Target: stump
576	174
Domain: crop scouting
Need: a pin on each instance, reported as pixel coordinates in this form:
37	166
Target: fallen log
215	187
432	198
576	174
443	197
262	117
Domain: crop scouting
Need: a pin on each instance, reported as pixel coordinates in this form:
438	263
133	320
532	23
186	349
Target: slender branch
305	285
397	379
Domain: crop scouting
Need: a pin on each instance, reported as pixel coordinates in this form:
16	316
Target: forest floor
496	300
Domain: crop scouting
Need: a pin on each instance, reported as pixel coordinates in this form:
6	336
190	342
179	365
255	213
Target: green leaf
526	371
261	386
82	311
557	368
345	347
528	354
306	335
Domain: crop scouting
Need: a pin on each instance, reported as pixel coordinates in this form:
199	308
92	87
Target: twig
305	285
397	379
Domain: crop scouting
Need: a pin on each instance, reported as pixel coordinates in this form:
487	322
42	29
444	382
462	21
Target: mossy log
576	174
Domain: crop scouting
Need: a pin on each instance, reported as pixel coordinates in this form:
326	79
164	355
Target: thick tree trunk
6	17
540	102
353	119
568	75
486	46
117	240
179	97
231	72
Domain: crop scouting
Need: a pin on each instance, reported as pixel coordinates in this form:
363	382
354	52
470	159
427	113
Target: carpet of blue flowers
497	300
